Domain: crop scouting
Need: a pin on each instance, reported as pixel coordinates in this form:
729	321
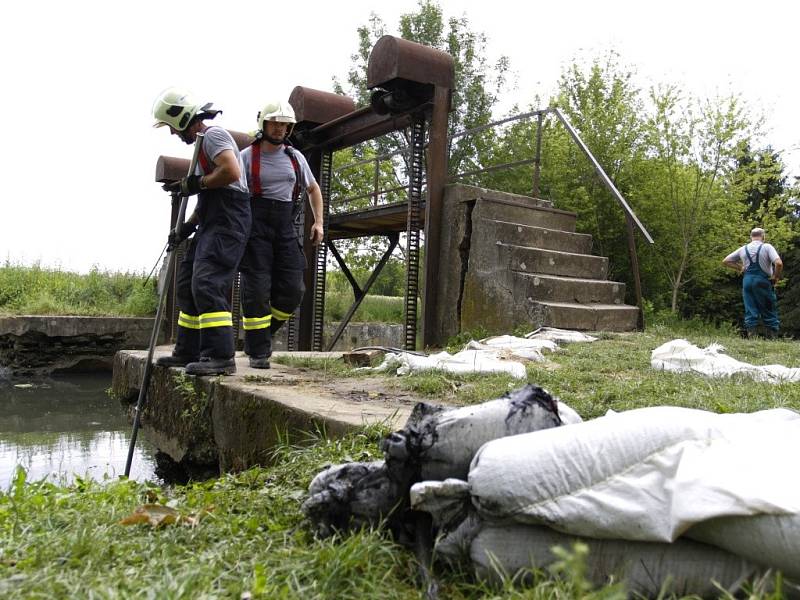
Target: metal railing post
376	182
537	159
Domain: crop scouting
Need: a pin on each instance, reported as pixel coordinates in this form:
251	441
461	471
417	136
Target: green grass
373	309
65	542
38	290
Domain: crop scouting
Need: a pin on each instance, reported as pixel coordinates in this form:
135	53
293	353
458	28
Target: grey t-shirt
276	174
766	257
216	140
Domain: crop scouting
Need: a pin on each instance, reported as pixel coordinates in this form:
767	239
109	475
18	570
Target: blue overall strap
753	261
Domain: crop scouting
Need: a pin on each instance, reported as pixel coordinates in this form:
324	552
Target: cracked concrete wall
40	345
475	284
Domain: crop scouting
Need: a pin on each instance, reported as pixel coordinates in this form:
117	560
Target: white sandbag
461	363
512	347
683	567
680	356
772	540
646	474
734	548
554	334
442	441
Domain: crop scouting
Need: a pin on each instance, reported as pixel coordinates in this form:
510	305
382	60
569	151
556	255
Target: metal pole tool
148	367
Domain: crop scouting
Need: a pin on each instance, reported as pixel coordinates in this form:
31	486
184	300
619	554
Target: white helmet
176	108
279	111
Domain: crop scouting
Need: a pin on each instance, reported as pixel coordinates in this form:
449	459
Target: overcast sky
80	78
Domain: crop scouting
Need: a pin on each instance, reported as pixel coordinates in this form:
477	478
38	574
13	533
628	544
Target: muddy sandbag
438	442
683	567
646	474
350	496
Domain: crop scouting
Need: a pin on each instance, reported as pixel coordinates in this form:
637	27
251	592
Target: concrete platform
234	422
37	345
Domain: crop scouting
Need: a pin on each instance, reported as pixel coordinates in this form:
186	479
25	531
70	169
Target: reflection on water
58	428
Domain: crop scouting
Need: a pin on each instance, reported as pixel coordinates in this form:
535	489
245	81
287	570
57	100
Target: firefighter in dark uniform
221	219
273	263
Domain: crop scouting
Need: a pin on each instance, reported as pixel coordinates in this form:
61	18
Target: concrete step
553	262
588	317
552	288
517	209
473	192
537	237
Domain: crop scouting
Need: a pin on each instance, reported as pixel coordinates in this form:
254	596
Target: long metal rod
357	291
479	128
537	157
509	165
603	176
371	159
637	280
361	294
148	367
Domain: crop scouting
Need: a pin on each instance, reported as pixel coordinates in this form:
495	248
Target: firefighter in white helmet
205	344
273	263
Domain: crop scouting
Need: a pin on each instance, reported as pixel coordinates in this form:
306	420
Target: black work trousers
272	274
205	277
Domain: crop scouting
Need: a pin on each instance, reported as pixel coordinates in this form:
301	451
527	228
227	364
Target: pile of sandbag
436	443
497	354
667	499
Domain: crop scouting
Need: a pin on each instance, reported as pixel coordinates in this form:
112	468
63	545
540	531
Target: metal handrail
603	176
536	113
630	216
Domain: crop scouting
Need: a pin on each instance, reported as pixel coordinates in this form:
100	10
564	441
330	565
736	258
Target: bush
46	291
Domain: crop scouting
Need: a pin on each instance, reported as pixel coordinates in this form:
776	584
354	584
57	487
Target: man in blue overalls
762	268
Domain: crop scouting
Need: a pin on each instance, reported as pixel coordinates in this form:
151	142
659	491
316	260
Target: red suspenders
255	171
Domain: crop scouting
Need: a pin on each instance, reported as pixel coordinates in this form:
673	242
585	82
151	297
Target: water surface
61	427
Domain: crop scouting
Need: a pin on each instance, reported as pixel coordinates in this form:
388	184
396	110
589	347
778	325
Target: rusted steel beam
437	177
171	168
315	107
353	128
394	58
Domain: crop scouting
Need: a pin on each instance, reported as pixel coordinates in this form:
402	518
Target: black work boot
212	366
259	362
175	360
772	334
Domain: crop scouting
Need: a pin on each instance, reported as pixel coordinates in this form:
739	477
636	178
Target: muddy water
62	427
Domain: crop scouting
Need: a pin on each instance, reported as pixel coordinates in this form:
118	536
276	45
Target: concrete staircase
510	260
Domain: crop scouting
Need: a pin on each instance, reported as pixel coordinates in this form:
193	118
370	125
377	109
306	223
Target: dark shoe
212	366
750	332
175	361
259	363
772	334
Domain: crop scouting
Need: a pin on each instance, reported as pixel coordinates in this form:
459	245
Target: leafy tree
477	86
478	83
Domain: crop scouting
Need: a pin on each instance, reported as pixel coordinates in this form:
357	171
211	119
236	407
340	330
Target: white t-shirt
766	257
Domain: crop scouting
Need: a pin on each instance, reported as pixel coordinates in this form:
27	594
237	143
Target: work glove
188	186
176	237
